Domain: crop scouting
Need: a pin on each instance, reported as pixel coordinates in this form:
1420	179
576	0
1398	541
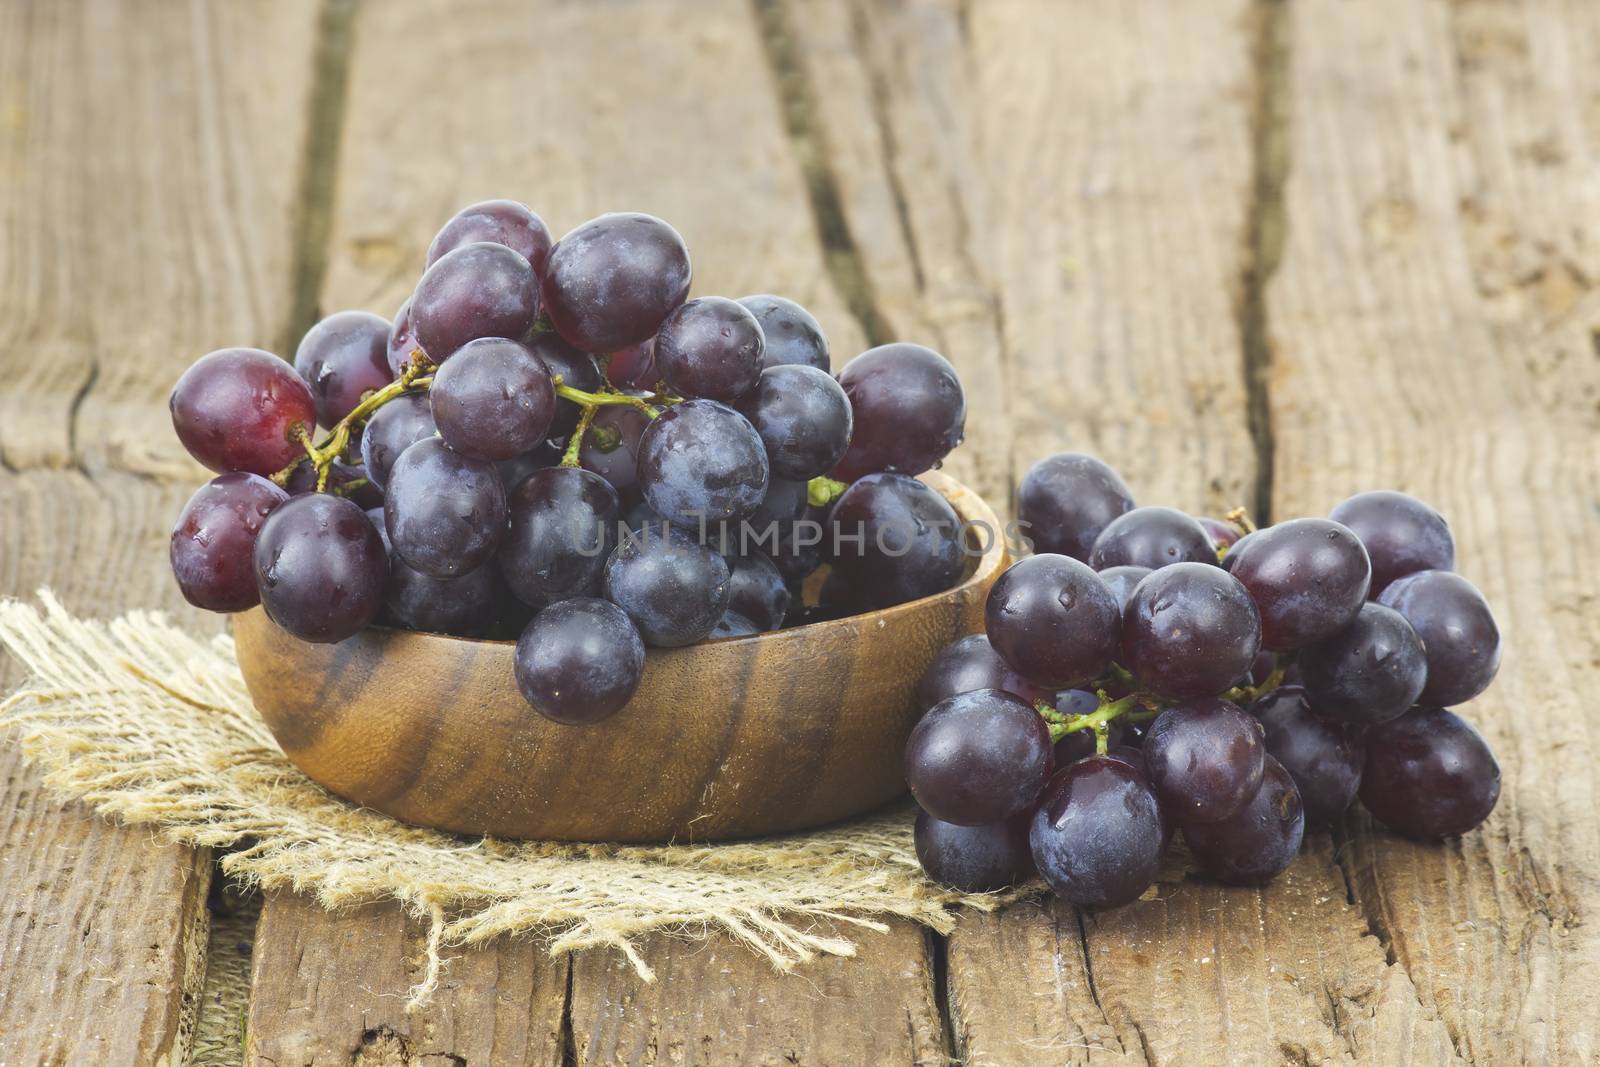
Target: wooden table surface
1249	251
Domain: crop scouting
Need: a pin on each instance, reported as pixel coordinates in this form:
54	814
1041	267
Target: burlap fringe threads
152	725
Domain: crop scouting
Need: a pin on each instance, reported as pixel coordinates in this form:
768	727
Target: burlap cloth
150	724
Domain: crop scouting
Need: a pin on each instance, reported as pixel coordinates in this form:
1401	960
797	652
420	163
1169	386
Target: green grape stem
1136	706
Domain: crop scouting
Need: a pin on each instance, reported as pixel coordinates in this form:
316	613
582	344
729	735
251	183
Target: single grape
710	347
1457	630
320	568
1402	535
908	410
1065	500
612	281
892	539
1053	620
1323	757
634	367
971	663
772	522
342	358
756	591
1098	835
563	527
402	340
393	428
512	471
1151	537
445	512
978	758
1255	844
1371	671
576	369
464	607
478	290
803	418
493	399
501	222
1429	774
793	336
1205	758
974	859
1190	630
673	588
579	661
1123	580
701	462
1308	577
1223	534
611	448
239	409
215	535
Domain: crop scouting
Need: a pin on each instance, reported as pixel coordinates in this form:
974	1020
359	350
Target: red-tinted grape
893	539
342	358
978	758
563	527
402	340
1429	774
1402	535
1309	577
237	409
478	290
974	859
1204	757
700	463
1457	630
579	661
445	512
710	348
215	535
1255	844
908	407
1099	834
612	281
501	222
320	567
793	336
971	663
1151	537
1371	671
1223	534
493	399
673	588
1190	630
1066	500
803	419
1323	757
634	367
1053	621
393	428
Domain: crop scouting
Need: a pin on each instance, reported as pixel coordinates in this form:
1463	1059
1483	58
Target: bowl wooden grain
731	738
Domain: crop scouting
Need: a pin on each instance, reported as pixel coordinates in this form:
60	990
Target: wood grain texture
146	203
1432	329
495	1006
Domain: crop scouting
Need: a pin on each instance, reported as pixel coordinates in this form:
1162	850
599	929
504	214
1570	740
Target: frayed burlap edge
152	725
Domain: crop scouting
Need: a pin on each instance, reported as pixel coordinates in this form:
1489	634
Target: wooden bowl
730	738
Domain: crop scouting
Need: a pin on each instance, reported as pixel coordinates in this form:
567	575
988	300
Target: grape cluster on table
1148	672
551	442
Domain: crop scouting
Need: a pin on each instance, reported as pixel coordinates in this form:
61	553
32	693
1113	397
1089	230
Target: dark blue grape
803	419
562	529
974	859
673	588
978	758
1256	843
579	661
320	568
1066	499
1098	835
700	463
1053	620
793	336
1371	671
445	512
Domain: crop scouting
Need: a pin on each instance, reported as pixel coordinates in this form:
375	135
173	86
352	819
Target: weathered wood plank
150	170
1432	328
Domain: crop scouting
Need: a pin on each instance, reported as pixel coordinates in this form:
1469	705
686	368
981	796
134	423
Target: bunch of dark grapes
550	442
1132	681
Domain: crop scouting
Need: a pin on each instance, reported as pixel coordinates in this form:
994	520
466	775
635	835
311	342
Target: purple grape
215	536
501	222
512	471
1190	630
445	512
1066	500
908	410
892	539
1223	534
563	527
238	409
767	528
1122	581
320	568
793	336
1429	774
1255	844
1151	537
1261	668
710	348
402	340
1457	630
579	661
611	448
493	399
803	419
1098	835
971	663
700	463
974	859
732	624
1053	620
800	543
978	757
756	591
1371	671
673	588
464	606
1205	759
1308	577
1402	535
1324	758
612	281
393	428
342	358
344	479
576	369
634	367
478	290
